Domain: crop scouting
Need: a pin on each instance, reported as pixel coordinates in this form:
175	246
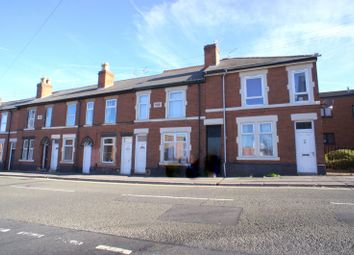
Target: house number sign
157	104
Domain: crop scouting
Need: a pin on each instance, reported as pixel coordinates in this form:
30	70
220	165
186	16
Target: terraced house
256	114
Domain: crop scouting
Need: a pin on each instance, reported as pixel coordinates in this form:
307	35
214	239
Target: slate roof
338	93
167	78
253	62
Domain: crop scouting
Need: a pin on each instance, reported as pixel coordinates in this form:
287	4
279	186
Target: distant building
338	118
237	116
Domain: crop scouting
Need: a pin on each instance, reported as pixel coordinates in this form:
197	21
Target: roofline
223	70
344	93
109	93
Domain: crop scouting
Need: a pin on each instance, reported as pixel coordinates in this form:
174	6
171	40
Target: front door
305	148
54	158
44	156
86	164
11	156
140	154
126	157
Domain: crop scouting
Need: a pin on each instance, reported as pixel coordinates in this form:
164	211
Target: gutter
224	119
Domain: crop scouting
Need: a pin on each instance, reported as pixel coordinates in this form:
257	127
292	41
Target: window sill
26	160
176	118
173	164
259	158
109	124
28	129
107	163
86	125
66	162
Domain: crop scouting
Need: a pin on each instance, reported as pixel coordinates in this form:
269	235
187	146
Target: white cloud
169	32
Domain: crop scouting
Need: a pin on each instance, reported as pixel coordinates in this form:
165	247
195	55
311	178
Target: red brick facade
204	107
338	120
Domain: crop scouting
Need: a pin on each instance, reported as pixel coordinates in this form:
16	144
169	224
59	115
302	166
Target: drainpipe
224	119
77	135
8	143
199	135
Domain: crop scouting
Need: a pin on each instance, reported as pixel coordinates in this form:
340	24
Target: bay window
257	138
175	145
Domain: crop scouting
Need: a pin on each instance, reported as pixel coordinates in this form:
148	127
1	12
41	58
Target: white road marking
338	203
113	249
172	197
40	188
30	234
4	230
75	242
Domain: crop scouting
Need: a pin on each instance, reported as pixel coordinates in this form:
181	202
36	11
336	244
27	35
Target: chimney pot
211	55
105	76
44	87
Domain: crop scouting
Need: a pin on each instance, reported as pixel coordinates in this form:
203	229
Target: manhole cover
221	215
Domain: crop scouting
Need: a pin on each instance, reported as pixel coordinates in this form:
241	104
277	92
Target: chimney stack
211	55
105	77
44	88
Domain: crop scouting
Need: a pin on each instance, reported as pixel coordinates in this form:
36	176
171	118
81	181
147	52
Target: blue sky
145	37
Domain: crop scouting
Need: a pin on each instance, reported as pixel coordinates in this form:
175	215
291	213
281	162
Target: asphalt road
40	216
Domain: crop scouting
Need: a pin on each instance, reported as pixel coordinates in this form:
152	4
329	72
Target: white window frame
2	144
28	147
256	121
244	76
91	108
182	89
307	69
68	137
46	117
69	116
137	106
31	118
102	149
3	125
175	131
113	107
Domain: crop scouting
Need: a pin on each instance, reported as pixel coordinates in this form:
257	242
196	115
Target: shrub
340	159
272	174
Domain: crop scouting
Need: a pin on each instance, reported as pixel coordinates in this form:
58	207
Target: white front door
126	157
86	163
140	154
305	147
54	158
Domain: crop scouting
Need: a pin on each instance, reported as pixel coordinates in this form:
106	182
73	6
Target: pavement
331	181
